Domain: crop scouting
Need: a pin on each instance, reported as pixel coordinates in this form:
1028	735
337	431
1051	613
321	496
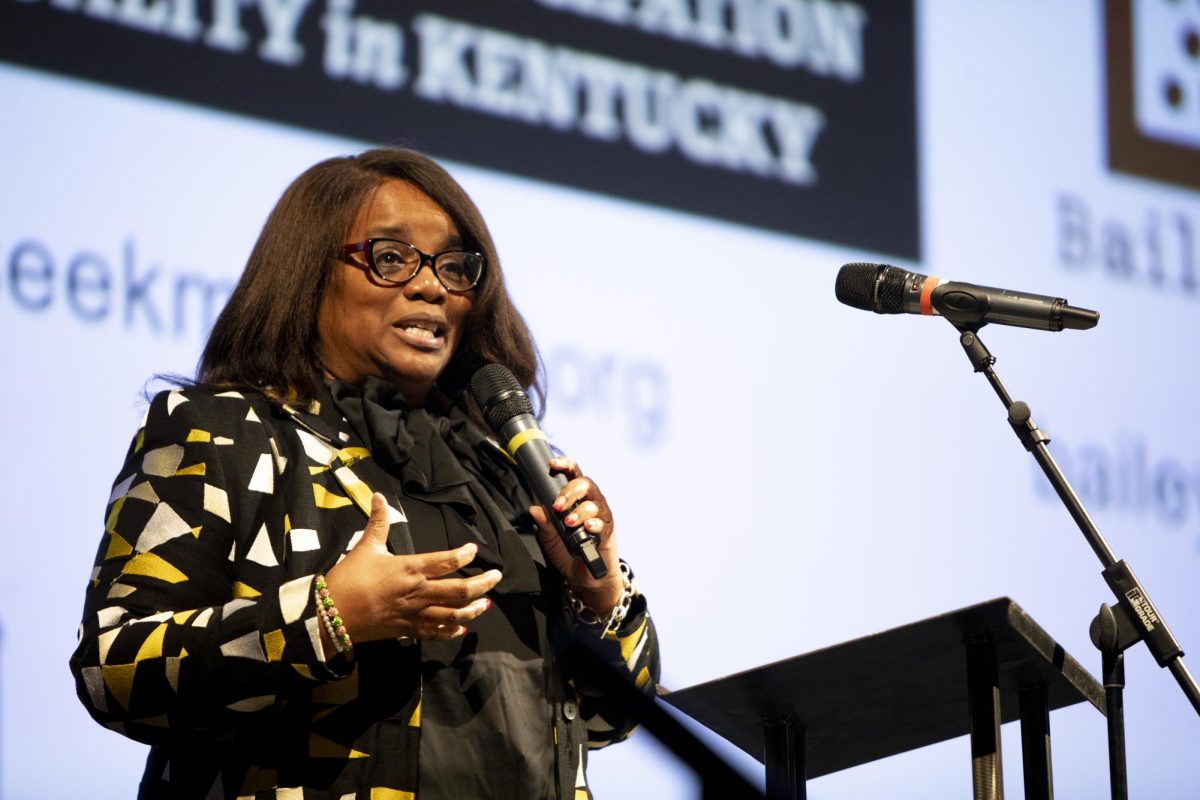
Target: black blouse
486	728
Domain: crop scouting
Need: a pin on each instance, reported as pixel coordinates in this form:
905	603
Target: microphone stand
1115	629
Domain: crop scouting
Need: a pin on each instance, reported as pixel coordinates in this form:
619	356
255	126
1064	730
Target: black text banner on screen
793	115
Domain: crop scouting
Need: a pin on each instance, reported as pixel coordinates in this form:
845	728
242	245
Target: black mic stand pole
1115	629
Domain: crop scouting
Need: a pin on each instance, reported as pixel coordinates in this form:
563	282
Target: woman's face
404	334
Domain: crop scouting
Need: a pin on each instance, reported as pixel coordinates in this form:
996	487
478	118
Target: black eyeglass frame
368	248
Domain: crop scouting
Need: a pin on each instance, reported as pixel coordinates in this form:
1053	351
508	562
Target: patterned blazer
200	633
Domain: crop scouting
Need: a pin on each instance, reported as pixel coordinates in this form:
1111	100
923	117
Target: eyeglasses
399	262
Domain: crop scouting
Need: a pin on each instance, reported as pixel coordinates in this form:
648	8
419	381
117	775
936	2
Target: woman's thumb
376	531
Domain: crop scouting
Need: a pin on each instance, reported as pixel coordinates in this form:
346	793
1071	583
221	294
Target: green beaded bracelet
331	617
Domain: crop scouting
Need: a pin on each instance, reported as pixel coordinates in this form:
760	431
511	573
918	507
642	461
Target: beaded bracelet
610	623
331	617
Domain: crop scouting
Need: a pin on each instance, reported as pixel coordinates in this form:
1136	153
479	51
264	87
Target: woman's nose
425	284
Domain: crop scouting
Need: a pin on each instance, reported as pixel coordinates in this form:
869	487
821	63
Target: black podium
963	672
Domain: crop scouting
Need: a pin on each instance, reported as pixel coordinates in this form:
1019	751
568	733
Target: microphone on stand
885	289
508	411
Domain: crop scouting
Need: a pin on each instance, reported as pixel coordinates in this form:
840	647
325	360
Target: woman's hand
385	596
592	512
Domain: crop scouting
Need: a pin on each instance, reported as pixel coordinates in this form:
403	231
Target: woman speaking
320	577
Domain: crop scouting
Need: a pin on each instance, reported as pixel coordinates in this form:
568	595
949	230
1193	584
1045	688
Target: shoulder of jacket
201	405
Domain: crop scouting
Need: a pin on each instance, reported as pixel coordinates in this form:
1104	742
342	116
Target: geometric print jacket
200	633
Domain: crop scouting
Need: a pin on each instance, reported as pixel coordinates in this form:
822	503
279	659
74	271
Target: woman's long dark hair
266	336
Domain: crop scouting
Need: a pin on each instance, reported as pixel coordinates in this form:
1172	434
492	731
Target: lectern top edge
889	692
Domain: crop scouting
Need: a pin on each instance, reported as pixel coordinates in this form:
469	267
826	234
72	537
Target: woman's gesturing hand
587	507
385	596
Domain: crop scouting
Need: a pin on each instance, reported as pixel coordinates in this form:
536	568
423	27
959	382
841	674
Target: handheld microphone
508	411
885	289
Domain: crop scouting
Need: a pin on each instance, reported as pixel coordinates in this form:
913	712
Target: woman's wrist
603	597
334	627
607	615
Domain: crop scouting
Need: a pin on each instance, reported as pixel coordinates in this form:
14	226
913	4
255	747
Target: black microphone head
855	285
889	289
872	287
499	395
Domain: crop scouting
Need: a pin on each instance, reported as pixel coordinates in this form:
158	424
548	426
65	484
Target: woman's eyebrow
397	231
405	234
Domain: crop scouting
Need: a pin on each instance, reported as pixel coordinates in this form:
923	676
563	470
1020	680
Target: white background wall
787	473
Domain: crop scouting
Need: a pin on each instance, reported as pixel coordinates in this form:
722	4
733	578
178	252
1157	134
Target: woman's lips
421	334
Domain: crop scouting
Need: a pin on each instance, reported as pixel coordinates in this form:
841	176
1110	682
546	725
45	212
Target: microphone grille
889	289
499	395
855	285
